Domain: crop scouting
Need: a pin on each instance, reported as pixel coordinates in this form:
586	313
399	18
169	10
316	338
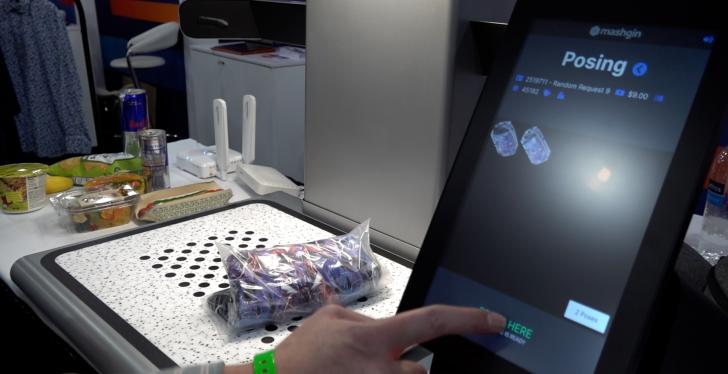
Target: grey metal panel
377	83
391	86
89	334
288	120
386	242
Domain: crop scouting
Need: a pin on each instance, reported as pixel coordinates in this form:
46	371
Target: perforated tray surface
157	281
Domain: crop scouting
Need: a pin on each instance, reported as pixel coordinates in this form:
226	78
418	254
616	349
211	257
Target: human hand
338	340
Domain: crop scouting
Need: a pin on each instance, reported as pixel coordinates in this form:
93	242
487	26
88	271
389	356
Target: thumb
410	367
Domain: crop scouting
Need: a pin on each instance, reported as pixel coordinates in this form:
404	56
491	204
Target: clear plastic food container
83	211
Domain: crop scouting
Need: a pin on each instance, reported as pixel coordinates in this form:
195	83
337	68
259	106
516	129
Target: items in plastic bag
83	168
278	283
121	182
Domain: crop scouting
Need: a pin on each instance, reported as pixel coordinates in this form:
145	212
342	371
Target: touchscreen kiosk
574	185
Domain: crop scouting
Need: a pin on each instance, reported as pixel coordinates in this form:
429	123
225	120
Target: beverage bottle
715	215
134	118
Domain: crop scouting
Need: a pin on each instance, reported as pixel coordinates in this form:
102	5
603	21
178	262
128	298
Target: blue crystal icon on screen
504	138
534	143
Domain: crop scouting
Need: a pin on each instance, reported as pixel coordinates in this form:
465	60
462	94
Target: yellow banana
57	184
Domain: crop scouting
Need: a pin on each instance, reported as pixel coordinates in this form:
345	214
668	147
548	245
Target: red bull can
134	115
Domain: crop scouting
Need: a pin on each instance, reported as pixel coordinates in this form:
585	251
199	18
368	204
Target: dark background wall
119	21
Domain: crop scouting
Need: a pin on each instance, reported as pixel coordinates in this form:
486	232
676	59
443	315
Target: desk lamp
153	40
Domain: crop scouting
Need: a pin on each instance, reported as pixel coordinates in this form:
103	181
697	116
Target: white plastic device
261	179
265	179
219	108
248	143
202	162
208	162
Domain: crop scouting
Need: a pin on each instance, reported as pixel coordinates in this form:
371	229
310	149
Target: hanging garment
9	144
10	105
38	55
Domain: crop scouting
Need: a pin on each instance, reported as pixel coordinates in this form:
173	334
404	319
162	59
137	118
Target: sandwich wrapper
171	203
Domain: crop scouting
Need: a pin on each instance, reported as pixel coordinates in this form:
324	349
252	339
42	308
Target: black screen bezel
670	217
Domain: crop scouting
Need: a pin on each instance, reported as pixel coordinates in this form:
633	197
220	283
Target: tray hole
170	275
144	258
157	266
271	327
191	244
189	275
184	284
208	276
176	266
291	328
198	294
223	285
267	339
168	250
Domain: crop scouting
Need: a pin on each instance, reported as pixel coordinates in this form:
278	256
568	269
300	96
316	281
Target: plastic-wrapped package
278	283
123	181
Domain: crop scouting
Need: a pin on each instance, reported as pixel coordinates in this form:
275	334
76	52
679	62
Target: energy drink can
134	116
154	158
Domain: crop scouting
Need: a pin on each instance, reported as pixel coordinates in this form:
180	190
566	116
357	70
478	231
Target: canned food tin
22	187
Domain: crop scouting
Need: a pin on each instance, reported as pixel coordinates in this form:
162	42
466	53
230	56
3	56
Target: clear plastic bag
278	283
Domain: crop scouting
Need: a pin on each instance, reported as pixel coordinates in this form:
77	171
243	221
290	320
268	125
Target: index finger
423	324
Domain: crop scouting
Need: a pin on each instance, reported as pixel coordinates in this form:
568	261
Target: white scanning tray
157	281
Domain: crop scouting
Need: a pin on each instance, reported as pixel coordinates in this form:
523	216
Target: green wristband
264	363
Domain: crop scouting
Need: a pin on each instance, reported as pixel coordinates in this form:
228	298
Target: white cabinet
278	86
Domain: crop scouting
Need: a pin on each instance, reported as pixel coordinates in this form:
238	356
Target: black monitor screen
281	21
565	184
